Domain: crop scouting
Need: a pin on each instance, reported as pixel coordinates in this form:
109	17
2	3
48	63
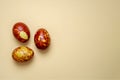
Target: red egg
42	39
21	32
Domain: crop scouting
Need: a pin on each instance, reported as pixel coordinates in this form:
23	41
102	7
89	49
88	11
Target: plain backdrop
85	39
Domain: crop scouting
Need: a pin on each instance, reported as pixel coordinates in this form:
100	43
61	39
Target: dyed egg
21	32
22	54
42	39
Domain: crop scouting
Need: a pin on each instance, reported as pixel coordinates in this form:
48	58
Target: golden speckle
23	35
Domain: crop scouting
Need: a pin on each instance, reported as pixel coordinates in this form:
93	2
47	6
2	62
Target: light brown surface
85	39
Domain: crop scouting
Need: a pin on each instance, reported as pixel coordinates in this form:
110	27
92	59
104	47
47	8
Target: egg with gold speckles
22	54
42	38
21	32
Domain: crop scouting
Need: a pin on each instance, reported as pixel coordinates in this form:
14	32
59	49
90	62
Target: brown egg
21	32
42	39
22	54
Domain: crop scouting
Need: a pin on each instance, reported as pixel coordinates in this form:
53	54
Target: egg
22	54
21	32
42	38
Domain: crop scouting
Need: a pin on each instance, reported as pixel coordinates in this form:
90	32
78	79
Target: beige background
85	38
